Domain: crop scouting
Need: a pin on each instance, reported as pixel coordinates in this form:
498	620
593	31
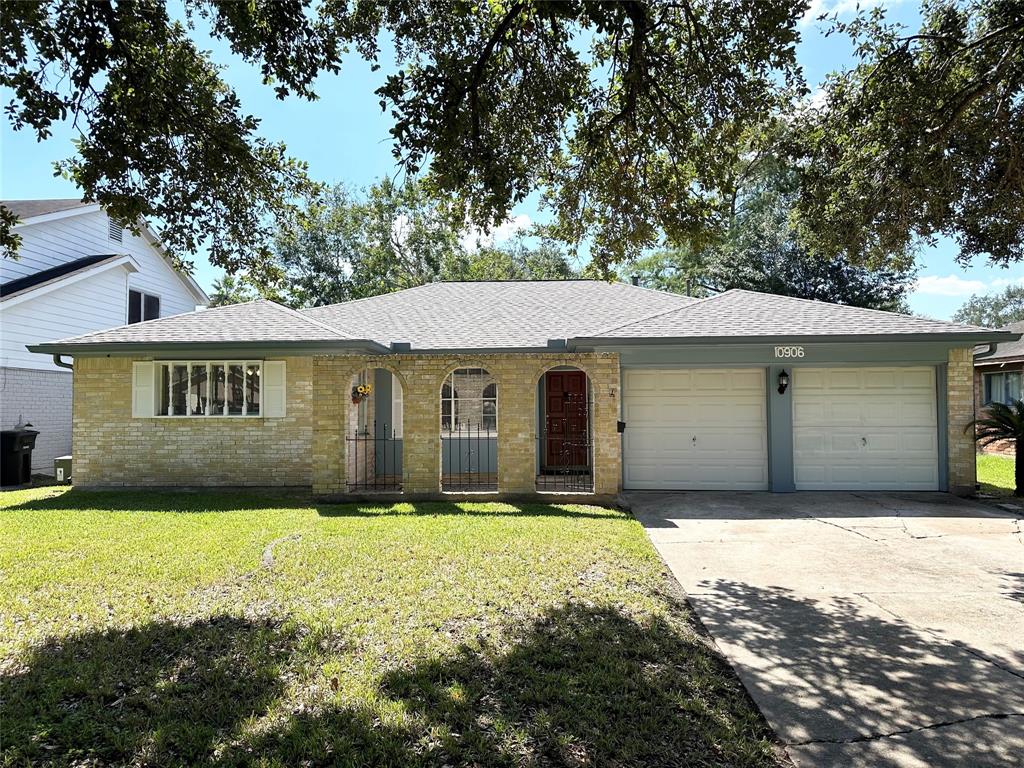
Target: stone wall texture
422	376
112	448
960	405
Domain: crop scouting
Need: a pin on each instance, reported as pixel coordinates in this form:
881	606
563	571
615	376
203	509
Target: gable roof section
492	315
22	284
1006	350
58	208
29	209
740	314
255	322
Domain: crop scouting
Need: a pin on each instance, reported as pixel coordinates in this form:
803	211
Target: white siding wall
92	304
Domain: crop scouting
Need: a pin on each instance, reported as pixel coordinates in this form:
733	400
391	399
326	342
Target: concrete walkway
871	629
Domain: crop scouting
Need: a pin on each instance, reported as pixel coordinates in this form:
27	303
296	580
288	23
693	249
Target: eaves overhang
860	338
209	348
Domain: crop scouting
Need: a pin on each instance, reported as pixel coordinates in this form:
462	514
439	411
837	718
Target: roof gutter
992	347
207	347
61	364
610	341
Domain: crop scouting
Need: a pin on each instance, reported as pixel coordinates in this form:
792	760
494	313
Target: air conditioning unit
62	469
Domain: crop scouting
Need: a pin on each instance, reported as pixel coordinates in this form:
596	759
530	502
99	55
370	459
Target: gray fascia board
609	341
207	347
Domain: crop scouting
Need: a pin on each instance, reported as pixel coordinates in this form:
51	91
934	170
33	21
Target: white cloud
954	285
504	231
839	8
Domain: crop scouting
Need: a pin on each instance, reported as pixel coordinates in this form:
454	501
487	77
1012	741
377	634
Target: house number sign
789	352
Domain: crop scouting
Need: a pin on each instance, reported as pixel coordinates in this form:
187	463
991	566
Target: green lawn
170	629
995	474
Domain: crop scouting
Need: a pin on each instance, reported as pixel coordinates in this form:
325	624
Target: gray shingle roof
495	315
259	320
739	313
26	209
1007	349
517	315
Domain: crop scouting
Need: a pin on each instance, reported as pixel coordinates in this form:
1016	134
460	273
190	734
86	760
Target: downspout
61	364
992	346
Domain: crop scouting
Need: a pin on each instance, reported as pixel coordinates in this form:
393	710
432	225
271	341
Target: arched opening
565	447
469	431
373	432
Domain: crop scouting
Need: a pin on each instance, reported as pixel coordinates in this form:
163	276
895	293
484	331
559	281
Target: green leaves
924	138
163	137
993	310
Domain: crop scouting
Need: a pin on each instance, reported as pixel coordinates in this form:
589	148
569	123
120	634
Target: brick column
517	424
421	435
604	373
960	410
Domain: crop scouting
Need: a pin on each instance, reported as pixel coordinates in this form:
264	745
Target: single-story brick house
998	374
519	388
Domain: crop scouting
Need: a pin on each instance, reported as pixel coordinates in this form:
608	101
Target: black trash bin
16	456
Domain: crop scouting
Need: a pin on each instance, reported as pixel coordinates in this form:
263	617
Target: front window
1002	387
210	389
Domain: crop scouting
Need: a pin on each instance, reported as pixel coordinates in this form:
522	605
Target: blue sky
344	138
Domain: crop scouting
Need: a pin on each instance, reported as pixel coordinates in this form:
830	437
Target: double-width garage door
853	429
865	429
698	429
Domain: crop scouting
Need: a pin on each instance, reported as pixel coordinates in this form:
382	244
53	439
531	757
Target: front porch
427	426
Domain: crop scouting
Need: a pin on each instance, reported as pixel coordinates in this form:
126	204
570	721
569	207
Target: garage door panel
866	428
724	409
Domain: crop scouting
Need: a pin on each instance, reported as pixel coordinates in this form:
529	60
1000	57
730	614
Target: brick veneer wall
960	407
112	448
421	377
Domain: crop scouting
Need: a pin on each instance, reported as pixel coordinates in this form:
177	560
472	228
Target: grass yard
170	629
995	474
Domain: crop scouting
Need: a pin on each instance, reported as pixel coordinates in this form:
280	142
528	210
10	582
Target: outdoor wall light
783	381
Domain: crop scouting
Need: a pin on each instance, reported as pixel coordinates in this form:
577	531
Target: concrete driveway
871	629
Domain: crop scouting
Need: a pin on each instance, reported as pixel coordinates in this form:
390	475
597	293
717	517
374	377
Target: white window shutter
273	383
143	390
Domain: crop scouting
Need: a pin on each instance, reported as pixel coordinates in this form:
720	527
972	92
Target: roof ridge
310	320
659	314
155	320
369	298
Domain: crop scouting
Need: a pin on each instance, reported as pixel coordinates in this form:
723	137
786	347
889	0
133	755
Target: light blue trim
942	422
761	355
780	431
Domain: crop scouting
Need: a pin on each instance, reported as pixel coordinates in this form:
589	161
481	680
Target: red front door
566	420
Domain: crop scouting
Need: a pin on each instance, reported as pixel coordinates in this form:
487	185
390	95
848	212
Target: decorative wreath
360	393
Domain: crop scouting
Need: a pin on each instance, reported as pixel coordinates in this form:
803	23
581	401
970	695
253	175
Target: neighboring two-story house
77	271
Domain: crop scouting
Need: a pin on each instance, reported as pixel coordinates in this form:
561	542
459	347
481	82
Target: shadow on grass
217	500
581	686
161	694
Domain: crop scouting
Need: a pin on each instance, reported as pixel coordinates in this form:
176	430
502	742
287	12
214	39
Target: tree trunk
1018	470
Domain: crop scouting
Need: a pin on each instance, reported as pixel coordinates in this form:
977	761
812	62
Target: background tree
923	138
232	289
351	245
161	136
762	252
993	310
626	115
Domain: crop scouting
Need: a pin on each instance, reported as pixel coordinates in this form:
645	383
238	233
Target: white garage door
697	429
865	429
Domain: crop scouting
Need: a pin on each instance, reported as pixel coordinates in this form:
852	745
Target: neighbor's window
469	402
1002	387
230	388
142	306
